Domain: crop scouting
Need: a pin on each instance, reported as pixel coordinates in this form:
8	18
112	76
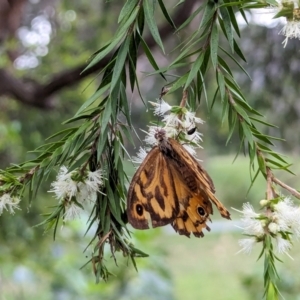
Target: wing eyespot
139	209
201	211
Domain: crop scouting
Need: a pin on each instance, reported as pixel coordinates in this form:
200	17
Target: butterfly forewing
152	199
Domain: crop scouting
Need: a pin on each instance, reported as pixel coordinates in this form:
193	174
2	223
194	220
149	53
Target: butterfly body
171	187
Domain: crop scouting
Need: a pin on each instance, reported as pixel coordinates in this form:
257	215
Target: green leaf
127	9
243	15
150	57
106	115
213	100
238	64
140	22
224	65
203	88
179	83
150	20
265	149
238	51
240	100
195	68
226	24
126	131
120	63
224	111
166	14
114	205
263	122
190	18
243	114
233	20
102	143
103	53
183	55
248	134
214	42
132	57
208	13
69	131
261	164
221	85
232	123
92	99
252	154
121	33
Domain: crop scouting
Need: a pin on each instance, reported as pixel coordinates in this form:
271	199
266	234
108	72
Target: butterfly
171	187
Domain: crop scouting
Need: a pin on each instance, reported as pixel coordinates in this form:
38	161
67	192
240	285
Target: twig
287	187
184	98
270	190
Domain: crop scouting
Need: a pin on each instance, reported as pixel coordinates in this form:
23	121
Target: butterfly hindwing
152	199
194	208
196	177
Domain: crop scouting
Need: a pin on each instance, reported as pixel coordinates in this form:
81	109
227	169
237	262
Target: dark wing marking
152	199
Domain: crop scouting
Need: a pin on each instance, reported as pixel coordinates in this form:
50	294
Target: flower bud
264	202
273	227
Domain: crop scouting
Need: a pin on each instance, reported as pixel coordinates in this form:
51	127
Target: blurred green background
51	37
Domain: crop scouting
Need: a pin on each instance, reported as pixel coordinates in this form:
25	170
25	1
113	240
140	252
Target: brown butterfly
171	187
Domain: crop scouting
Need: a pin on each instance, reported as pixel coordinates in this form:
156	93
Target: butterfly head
160	135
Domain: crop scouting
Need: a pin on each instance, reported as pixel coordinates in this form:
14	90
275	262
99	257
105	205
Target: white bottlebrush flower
85	193
295	224
291	30
72	211
253	227
171	132
161	107
283	245
140	156
247	245
150	137
190	149
172	120
64	186
195	138
285	208
190	118
248	211
250	219
63	173
288	216
10	203
94	180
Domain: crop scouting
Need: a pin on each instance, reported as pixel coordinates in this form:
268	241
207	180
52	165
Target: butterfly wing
195	208
152	200
195	176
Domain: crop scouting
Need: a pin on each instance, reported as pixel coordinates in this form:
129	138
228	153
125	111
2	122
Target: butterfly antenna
163	91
